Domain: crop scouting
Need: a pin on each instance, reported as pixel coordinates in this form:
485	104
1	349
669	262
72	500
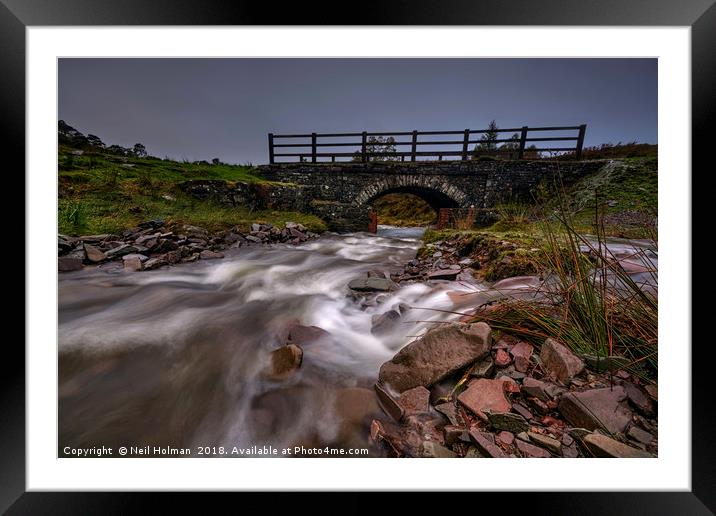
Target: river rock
597	408
303	335
483	394
546	441
383	323
284	361
93	254
532	451
441	351
210	255
120	250
415	400
154	263
142	258
483	368
506	437
603	446
558	360
639	400
522	411
133	263
535	388
432	449
502	358
450	411
508	421
371	285
69	263
640	435
443	274
388	402
483	442
521	353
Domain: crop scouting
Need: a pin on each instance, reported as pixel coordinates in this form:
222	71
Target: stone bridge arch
434	190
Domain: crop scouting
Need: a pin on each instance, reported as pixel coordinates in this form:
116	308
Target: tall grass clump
589	301
73	217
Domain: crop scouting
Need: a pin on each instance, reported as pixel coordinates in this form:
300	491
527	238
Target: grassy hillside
101	192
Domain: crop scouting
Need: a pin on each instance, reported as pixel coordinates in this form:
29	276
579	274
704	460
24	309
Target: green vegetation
107	193
404	210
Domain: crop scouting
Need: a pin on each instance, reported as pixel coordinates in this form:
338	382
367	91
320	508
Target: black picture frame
700	15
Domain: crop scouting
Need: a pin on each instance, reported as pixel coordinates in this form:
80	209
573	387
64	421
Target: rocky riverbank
154	244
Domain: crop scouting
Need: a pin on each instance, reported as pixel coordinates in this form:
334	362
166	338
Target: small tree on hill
139	150
216	161
488	141
378	145
95	141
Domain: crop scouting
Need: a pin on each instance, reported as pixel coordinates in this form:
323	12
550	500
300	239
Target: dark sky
204	108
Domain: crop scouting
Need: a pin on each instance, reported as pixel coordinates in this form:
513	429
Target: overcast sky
204	108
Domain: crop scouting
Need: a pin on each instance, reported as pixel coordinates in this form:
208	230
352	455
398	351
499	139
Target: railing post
414	148
270	141
580	141
523	140
465	144
363	156
313	147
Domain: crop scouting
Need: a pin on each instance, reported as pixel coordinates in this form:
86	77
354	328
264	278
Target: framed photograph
345	257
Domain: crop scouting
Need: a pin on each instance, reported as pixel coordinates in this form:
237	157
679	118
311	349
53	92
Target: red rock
597	408
506	437
521	353
483	443
639	400
284	361
440	352
510	384
302	335
483	394
559	361
93	254
532	451
603	446
210	255
535	388
414	400
522	411
388	403
539	405
502	358
454	434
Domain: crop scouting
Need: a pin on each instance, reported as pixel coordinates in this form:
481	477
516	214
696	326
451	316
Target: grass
583	308
100	194
404	210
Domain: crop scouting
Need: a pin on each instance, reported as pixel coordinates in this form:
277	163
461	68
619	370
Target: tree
512	148
139	150
95	141
488	143
215	161
378	145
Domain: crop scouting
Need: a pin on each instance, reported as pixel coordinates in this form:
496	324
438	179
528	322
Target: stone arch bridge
342	193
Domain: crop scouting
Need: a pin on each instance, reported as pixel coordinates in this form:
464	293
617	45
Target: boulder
284	361
303	335
371	285
93	254
559	361
441	351
602	446
482	395
69	263
597	408
133	263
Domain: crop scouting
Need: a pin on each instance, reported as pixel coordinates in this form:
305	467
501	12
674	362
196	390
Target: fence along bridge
339	175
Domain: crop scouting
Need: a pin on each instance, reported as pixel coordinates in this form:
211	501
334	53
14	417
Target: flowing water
175	357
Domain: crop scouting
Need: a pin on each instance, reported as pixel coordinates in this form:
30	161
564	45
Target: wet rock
371	285
640	435
483	394
434	450
603	446
284	361
173	256
385	322
304	335
388	403
521	353
639	399
559	361
415	400
254	239
522	411
485	446
443	274
210	255
141	257
597	408
450	411
506	437
502	358
483	368
132	263
93	254
508	421
69	263
545	441
531	451
355	406
441	351
121	250
154	263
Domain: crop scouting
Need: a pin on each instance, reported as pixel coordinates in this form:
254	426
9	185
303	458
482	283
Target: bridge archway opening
408	206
